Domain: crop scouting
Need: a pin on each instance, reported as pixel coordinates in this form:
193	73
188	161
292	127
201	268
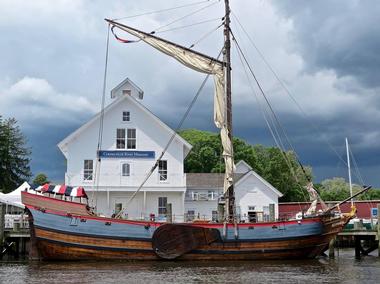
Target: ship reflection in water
342	269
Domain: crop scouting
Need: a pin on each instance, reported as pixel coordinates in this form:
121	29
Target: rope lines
162	10
206	35
269	113
187	26
183	17
101	123
282	84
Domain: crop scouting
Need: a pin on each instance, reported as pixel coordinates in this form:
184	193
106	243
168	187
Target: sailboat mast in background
349	171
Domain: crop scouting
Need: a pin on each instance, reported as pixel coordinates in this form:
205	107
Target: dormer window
126	92
126	116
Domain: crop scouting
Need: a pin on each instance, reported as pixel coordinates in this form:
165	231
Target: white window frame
131	140
120	138
211	194
126	116
162	207
194	195
163	172
88	171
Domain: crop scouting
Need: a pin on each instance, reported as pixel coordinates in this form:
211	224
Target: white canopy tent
14	198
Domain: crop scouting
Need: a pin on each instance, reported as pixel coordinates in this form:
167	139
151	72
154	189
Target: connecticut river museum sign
127	154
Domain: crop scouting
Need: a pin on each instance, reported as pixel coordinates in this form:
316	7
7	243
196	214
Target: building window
190	215
88	169
118	207
126	92
214	216
211	195
131	138
195	195
163	170
120	138
162	202
126	116
126	170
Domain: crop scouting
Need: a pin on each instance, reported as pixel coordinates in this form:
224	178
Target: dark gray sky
326	52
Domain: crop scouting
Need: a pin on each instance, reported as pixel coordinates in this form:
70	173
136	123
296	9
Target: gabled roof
243	164
215	180
260	178
127	80
207	180
95	118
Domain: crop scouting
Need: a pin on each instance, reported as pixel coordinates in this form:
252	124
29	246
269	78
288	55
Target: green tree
338	189
269	162
14	155
40	179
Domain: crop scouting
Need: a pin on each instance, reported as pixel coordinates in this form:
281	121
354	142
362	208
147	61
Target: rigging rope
169	142
183	17
272	116
162	10
205	35
356	167
282	84
101	124
187	26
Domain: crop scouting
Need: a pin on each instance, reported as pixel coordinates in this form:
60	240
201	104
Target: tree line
269	162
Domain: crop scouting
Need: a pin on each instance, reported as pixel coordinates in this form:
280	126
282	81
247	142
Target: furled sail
314	198
201	63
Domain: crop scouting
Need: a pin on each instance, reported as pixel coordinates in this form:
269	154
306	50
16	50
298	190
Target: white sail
204	64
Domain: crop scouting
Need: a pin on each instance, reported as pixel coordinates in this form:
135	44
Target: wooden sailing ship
70	230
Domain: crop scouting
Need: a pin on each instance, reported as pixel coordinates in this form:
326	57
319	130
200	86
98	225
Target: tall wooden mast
229	196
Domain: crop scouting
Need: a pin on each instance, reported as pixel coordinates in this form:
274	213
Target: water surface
343	269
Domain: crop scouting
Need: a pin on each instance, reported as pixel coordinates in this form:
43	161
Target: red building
290	209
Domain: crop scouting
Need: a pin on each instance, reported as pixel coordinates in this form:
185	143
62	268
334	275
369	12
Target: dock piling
332	248
2	223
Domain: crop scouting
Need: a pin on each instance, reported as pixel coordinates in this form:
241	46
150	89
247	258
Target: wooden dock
13	241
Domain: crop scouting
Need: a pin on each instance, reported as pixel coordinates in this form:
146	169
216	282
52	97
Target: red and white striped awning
76	191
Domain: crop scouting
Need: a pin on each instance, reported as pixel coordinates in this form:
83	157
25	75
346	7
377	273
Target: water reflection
343	269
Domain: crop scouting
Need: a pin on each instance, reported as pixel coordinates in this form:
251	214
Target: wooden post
169	212
2	223
220	213
332	248
272	213
357	247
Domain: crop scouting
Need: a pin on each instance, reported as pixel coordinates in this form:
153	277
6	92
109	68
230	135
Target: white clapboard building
256	200
132	139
